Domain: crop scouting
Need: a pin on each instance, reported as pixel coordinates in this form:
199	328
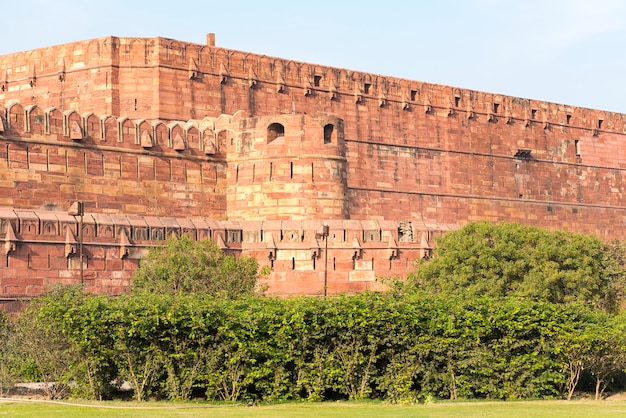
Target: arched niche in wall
160	134
92	126
209	142
73	125
193	136
137	51
332	129
330	136
110	129
15	116
144	131
36	120
207	135
275	130
128	131
174	52
177	137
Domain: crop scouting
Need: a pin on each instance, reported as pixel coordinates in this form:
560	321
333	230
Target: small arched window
328	133
274	131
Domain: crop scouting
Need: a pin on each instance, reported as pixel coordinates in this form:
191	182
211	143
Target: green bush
512	260
185	266
400	348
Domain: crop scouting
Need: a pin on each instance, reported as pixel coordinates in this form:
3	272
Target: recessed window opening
334	264
577	147
495	107
316	80
533	114
291	170
328	133
367	88
274	131
457	100
413	95
523	154
271	166
293	263
568	119
600	123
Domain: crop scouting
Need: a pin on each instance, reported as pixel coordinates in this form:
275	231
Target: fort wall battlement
156	128
131	72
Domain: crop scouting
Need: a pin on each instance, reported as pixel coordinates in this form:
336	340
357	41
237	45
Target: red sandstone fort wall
139	128
41	248
434	152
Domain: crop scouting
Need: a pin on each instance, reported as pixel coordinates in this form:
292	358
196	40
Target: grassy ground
15	408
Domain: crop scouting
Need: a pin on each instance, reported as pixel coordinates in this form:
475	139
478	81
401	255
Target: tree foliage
509	259
185	266
400	348
7	355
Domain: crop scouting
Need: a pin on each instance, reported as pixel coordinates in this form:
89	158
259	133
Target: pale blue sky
563	51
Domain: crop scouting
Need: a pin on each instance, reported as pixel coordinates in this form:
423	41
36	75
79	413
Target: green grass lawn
14	408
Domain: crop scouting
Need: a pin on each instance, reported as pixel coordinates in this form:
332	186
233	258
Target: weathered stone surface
153	146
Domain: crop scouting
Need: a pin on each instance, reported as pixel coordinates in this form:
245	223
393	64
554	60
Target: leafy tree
186	266
7	355
509	259
614	262
49	350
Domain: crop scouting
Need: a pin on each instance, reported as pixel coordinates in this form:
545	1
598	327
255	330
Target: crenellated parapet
112	163
184	137
43	75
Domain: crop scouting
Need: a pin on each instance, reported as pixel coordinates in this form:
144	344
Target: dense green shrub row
399	348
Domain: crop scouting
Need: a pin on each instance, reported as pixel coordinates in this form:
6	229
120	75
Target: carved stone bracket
10	240
71	245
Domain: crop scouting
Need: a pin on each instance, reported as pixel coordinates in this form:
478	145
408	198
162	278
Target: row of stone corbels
126	231
357	236
181	135
21	226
